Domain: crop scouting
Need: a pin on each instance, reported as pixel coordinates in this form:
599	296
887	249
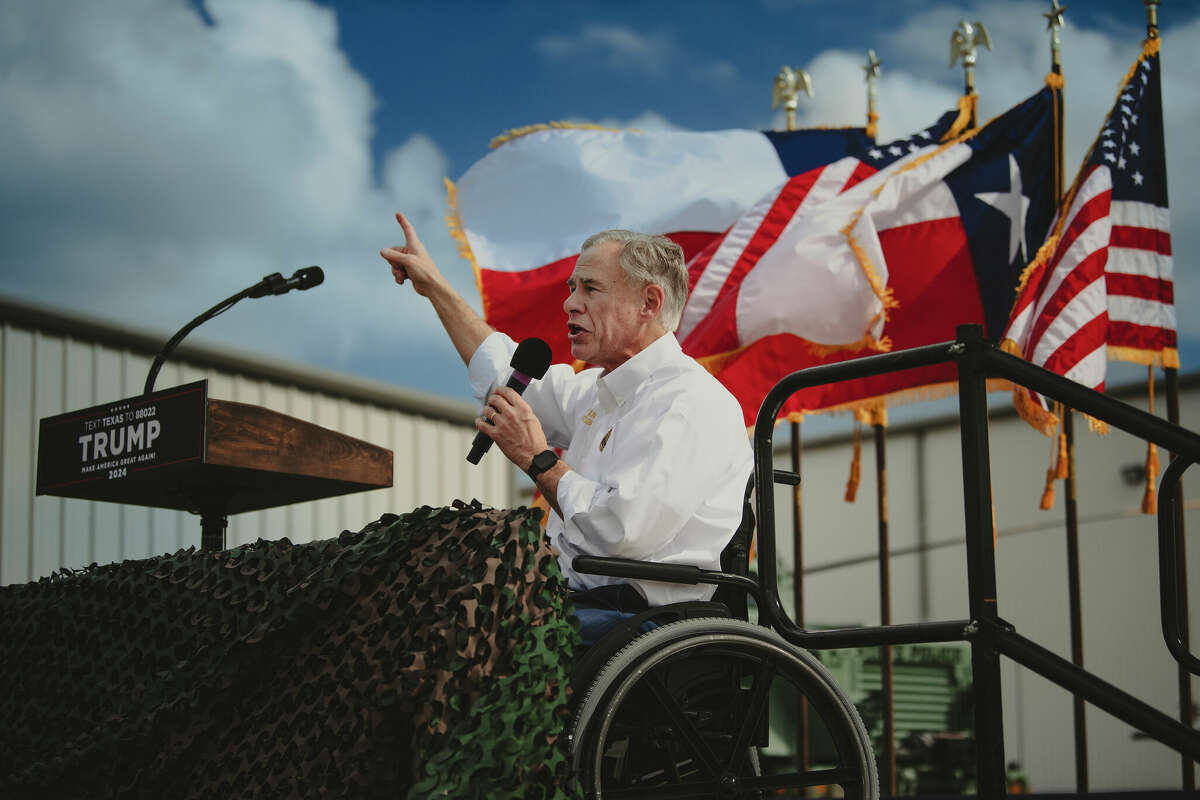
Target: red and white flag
1101	287
522	212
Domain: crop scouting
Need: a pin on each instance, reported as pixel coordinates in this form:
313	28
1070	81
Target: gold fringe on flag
1167	357
1038	417
967	105
517	133
855	464
459	235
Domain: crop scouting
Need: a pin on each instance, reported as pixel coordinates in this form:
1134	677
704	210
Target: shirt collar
623	381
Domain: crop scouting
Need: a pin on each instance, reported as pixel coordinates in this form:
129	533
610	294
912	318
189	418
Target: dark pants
599	609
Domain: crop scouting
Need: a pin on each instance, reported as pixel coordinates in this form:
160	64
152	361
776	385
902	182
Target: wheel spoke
754	711
701	752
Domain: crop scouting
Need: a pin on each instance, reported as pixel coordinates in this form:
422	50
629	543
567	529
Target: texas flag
940	230
522	212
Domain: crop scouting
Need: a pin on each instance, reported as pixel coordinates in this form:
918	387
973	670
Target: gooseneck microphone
529	362
303	278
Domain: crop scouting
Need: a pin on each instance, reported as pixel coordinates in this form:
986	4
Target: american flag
1101	286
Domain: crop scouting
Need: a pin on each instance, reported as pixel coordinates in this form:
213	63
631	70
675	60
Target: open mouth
574	330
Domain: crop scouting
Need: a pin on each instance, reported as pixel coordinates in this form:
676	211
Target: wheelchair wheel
681	711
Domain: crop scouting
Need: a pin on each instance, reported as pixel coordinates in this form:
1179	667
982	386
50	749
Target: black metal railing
989	636
977	360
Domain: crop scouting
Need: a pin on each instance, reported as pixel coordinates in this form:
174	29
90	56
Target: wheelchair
676	701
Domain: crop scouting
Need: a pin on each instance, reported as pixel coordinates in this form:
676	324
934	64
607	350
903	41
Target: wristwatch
541	462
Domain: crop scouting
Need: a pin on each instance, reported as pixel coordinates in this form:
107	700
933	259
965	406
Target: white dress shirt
658	454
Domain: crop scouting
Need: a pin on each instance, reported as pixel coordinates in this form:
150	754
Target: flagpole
1171	381
879	424
1171	387
1054	23
963	42
886	672
872	68
788	85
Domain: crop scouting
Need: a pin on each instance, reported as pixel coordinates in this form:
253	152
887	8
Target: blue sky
158	156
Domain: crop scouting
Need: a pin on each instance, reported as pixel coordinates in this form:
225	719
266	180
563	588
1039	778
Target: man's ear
652	300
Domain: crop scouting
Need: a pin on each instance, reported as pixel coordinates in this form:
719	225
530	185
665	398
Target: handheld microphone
303	278
529	362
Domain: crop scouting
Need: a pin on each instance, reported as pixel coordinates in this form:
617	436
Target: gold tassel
966	111
1048	492
872	127
1060	468
855	464
1150	498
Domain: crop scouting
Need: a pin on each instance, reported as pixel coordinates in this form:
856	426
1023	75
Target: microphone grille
532	357
311	276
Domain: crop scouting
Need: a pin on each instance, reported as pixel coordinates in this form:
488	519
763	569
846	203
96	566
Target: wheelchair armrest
667	573
632	568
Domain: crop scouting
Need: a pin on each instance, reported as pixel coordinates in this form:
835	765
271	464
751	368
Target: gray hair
647	259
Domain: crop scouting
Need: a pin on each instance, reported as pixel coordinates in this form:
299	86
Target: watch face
543	461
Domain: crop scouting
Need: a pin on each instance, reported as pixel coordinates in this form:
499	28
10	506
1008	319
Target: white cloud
616	46
621	48
153	165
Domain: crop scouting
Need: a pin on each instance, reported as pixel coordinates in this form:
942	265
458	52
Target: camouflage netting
424	656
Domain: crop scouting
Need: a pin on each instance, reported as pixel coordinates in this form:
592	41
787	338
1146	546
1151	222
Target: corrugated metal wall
50	368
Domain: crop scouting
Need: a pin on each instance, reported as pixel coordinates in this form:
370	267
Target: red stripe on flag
775	220
1142	337
860	174
1079	344
1092	210
1151	239
1085	273
717	331
1140	286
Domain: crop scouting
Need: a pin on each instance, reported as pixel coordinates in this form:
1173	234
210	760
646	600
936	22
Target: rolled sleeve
489	365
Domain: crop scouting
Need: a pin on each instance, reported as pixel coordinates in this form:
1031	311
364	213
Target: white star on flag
1137	178
1013	204
875	153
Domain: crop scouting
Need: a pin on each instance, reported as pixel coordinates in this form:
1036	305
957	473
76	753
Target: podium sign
123	441
179	448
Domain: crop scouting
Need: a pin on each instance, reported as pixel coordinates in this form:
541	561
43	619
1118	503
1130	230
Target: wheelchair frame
989	636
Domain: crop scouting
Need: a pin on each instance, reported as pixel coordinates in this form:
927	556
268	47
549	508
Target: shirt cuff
489	364
576	495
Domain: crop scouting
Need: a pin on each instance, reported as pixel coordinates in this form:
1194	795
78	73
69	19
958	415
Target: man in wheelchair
656	454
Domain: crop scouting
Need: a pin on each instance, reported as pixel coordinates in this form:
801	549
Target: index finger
506	393
410	234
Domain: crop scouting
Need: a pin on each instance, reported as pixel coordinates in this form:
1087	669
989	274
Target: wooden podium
177	448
